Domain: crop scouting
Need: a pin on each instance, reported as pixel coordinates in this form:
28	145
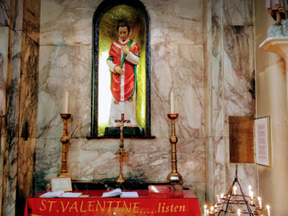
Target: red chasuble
123	86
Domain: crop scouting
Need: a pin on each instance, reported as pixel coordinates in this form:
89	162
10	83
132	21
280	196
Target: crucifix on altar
121	151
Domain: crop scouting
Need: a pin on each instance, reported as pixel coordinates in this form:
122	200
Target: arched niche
104	33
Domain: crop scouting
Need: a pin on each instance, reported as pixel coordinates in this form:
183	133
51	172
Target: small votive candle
251	195
260	202
235	189
268	209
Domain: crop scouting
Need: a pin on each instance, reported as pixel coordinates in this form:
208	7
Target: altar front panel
184	204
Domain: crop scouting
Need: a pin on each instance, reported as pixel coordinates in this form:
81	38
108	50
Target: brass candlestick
65	141
174	177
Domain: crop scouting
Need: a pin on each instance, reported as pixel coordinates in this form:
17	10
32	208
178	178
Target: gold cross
122	121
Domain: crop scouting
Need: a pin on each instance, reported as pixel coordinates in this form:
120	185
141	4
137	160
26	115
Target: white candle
251	195
239	212
235	189
260	203
66	103
205	207
172	103
212	209
268	209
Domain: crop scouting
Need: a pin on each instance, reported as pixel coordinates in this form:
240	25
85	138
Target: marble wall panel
11	179
17	16
67	22
4	13
217	70
4	44
48	162
235	75
191	157
56	14
31	19
12	132
148	160
64	68
239	73
171	71
238	12
29	87
2	141
25	175
175	22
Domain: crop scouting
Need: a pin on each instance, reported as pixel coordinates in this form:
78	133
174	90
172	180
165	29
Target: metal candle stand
174	177
65	141
232	199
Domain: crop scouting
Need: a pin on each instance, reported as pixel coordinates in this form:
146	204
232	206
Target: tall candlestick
172	102
66	103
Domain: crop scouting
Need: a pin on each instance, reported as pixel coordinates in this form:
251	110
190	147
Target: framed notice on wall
263	142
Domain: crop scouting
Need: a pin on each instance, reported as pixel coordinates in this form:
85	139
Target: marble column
229	91
19	25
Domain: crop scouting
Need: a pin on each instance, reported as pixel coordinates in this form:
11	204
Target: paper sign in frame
61	184
265	145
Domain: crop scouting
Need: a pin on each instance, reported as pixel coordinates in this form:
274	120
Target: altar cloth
182	203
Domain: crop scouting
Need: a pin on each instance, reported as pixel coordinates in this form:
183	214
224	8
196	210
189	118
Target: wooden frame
61	184
241	139
263	141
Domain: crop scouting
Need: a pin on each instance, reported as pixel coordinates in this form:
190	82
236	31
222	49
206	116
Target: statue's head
123	30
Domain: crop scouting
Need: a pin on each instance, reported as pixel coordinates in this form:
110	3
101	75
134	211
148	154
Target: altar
182	203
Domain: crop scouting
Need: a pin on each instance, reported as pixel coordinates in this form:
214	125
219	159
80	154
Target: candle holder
65	141
174	177
239	199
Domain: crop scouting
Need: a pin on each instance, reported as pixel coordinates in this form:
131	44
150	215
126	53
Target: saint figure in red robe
124	56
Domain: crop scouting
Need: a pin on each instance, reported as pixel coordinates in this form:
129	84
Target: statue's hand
119	70
125	49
